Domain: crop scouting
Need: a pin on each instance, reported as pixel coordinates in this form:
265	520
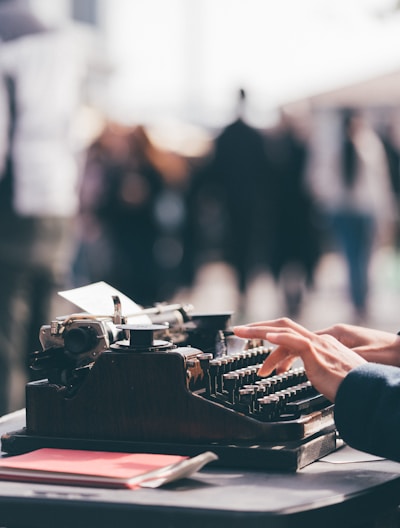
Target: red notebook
100	468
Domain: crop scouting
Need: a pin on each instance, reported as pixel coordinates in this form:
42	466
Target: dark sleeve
367	410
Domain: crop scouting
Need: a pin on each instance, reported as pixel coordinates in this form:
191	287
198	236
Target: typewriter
181	383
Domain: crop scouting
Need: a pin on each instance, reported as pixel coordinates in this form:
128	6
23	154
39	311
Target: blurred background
185	60
238	155
175	68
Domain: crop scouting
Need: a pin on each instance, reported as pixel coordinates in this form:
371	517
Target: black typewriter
181	384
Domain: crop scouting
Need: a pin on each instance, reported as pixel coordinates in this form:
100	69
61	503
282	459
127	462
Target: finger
250	332
285	365
292	343
281	322
275	325
290	339
260	332
276	358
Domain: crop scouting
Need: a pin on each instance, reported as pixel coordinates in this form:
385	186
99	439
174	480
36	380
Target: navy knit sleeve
367	410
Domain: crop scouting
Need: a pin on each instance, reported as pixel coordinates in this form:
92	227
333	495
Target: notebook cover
101	468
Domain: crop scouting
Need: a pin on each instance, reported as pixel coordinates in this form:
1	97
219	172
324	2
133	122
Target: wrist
395	351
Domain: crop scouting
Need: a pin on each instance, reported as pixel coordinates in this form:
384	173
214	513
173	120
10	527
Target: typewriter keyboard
232	381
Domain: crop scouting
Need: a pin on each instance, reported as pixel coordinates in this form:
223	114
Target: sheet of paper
348	455
96	299
181	470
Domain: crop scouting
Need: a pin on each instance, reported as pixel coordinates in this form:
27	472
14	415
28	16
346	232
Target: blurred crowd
146	218
150	218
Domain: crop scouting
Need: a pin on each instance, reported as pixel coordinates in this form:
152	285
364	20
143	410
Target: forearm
376	346
367	410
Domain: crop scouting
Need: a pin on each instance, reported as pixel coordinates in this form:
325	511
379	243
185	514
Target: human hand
326	360
375	346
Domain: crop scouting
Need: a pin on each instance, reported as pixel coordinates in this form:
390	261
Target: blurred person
106	154
131	213
390	137
295	249
352	181
41	74
206	225
357	368
239	196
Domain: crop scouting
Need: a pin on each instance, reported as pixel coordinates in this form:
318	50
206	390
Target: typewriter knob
80	340
141	336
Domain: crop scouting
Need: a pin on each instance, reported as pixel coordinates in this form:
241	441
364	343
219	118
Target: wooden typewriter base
287	456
